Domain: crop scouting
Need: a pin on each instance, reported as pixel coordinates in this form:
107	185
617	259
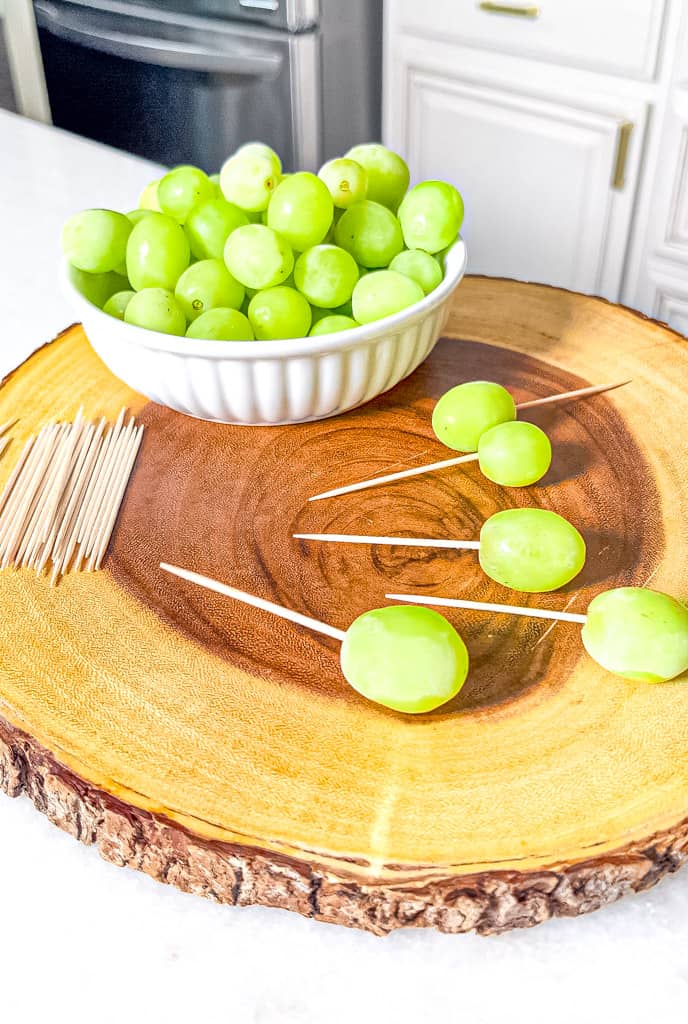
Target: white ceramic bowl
267	382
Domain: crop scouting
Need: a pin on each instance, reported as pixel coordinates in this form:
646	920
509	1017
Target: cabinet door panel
535	166
535	178
663	294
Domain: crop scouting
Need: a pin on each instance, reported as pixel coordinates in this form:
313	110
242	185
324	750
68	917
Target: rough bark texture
487	903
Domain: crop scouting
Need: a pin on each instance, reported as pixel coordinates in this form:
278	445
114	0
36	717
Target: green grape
301	210
97	288
221	325
116	305
346	180
279	313
255	218
331	324
260	149
96	240
531	549
249	181
258	257
464	413
371	233
638	633
156	309
431	216
388	175
136	215
326	275
210	224
157	253
149	197
181	189
514	454
406	658
205	285
383	293
420	266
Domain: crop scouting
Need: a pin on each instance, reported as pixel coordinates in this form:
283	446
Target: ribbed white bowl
268	382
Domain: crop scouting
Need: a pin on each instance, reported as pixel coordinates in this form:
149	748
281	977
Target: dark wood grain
225	501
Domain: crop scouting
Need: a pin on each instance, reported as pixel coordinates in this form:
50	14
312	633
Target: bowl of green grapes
258	297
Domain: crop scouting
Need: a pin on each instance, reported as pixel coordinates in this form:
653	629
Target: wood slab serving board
220	750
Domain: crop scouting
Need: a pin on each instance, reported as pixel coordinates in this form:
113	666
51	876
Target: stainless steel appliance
189	80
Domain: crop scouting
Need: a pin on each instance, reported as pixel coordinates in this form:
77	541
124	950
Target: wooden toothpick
255	602
411	542
404	474
486	606
66	489
6	426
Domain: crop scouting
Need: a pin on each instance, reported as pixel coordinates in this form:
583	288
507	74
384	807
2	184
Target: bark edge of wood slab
221	751
488	903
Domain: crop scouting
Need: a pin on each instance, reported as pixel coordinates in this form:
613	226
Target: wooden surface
219	749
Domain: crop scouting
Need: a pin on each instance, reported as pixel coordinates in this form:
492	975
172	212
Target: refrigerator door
178	89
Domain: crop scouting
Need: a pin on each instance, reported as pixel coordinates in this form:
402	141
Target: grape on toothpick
514	454
528	549
408	659
388	478
634	632
462	414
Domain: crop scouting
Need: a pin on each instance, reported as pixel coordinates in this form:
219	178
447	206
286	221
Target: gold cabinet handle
521	12
623	140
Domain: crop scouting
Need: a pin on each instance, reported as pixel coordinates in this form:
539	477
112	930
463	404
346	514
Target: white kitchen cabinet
551	129
657	275
535	172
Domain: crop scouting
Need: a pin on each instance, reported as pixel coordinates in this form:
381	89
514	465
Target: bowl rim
141	337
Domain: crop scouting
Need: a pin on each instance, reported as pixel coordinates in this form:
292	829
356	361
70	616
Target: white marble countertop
81	940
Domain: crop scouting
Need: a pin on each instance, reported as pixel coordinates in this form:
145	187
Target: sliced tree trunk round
219	749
